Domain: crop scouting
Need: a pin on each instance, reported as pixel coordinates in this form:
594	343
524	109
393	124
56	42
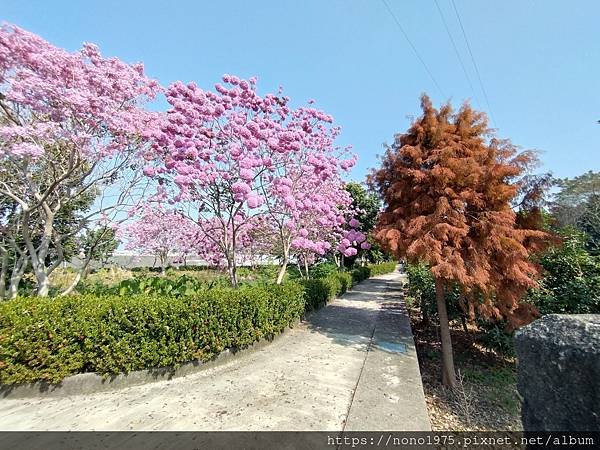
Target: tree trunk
15	277
163	264
43	282
306	267
73	285
232	269
3	272
282	270
299	268
448	372
81	273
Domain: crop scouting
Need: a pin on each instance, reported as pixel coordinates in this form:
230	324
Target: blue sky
539	60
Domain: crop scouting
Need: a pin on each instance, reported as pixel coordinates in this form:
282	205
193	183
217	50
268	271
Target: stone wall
559	373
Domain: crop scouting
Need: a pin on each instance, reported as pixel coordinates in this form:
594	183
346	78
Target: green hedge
51	338
321	290
382	268
371	270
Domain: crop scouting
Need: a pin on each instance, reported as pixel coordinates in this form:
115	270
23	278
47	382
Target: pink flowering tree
162	233
212	235
304	195
352	241
232	157
339	242
71	126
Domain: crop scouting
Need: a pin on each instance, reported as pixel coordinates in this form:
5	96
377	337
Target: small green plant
495	337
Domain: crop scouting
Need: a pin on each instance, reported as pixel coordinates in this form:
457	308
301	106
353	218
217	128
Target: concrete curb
91	382
390	381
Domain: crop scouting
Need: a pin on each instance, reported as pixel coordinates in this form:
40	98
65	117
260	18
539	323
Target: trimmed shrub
363	272
316	293
345	280
359	274
49	339
319	291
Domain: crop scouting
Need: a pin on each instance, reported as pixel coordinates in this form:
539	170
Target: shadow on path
351	319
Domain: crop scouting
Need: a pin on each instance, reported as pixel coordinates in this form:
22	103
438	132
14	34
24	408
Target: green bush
421	289
49	339
359	274
266	272
496	337
316	293
571	283
322	290
381	268
323	269
158	286
319	291
345	280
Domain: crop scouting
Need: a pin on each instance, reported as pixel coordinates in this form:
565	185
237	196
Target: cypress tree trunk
448	372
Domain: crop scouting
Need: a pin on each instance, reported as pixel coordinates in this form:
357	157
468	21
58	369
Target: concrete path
351	366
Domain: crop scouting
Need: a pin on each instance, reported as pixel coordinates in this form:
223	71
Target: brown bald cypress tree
448	184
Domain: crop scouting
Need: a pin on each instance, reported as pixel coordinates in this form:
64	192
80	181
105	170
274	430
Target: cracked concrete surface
351	366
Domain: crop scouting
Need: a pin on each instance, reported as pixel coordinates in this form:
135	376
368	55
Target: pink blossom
246	174
26	149
254	201
281	163
149	171
350	251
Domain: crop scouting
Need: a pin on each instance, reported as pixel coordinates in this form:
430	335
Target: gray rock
559	373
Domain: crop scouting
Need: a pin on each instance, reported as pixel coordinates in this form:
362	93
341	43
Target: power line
462	64
414	49
474	63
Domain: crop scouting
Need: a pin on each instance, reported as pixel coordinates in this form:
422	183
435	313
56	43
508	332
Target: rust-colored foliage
448	185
